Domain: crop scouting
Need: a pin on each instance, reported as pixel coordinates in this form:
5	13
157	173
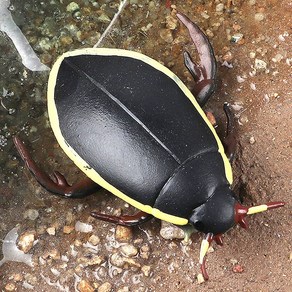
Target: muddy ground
242	33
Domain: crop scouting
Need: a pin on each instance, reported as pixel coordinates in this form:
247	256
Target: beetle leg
125	220
203	251
205	73
58	186
229	142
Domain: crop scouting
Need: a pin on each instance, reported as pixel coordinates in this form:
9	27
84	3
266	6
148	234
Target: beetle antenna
241	211
206	242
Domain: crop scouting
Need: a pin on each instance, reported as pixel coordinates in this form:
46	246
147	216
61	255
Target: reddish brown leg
125	220
204	74
59	184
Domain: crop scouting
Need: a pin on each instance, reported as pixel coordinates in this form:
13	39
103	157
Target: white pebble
83	227
259	16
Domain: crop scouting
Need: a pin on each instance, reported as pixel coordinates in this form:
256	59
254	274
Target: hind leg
58	185
125	220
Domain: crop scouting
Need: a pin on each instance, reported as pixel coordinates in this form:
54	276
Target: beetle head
219	214
216	215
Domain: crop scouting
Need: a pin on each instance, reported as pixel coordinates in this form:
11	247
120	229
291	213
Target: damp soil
242	32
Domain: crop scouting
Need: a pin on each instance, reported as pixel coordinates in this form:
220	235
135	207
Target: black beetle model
134	128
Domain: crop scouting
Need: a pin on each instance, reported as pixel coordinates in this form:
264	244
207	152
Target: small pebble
105	287
51	231
72	7
171	22
94	239
124	289
52	254
219	7
260	64
253	86
290	257
205	15
200	278
233	261
129	250
68	229
237	38
104	18
259	16
252	55
252	140
146	270
237	268
166	35
170	231
17	277
90	260
277	58
10	287
123	233
117	260
26	240
31	214
145	251
84	286
83	227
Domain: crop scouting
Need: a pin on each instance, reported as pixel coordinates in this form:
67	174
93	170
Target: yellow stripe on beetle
257	209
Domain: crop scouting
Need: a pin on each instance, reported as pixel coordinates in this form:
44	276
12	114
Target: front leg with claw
204	73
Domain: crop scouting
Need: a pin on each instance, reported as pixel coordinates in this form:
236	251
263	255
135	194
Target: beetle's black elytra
139	129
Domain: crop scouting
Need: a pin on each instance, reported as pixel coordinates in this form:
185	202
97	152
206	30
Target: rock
31	214
171	22
123	233
170	231
26	240
146	270
52	254
252	140
260	64
124	289
10	287
166	35
90	260
51	231
117	260
220	7
68	229
84	286
72	7
94	239
145	251
83	227
17	277
128	250
237	268
259	16
105	287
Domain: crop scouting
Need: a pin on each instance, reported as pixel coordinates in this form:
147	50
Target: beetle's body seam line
208	150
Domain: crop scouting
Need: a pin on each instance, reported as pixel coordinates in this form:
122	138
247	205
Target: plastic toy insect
135	129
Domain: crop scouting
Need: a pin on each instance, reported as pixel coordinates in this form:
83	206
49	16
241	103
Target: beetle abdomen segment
192	184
